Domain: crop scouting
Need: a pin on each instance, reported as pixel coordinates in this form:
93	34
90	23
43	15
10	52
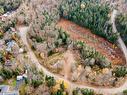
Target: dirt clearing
109	50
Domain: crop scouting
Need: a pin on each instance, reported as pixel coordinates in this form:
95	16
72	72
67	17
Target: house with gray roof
4	90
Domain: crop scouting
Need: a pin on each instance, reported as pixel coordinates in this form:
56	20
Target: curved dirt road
105	91
120	41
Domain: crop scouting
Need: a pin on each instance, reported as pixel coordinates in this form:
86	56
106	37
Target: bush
76	91
16	72
50	81
103	62
2	59
50	52
26	81
6	74
33	47
62	87
36	83
125	92
63	38
39	39
1	10
120	71
5	26
89	52
87	91
58	92
1	36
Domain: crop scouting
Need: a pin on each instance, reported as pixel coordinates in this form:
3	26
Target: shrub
2	59
39	39
16	72
63	38
76	91
125	92
89	52
50	52
87	91
103	62
1	10
26	81
58	92
120	71
33	47
50	81
36	83
6	74
5	26
1	36
62	87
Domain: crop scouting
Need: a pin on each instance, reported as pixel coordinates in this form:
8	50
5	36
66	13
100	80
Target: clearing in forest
109	50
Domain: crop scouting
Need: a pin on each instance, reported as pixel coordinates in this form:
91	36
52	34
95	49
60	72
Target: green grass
14	82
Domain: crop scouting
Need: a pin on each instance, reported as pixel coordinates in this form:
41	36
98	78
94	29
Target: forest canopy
90	14
8	5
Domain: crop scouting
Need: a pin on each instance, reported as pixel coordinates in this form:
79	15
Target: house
11	93
5	90
19	78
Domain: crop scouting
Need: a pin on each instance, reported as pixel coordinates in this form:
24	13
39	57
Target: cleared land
109	50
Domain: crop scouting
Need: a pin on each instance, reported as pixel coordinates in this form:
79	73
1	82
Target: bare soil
109	50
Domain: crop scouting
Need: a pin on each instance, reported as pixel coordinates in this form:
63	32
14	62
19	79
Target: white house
19	78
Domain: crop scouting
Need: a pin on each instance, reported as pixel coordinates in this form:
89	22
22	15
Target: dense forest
94	16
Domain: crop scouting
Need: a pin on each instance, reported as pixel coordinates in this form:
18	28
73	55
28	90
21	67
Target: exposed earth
111	51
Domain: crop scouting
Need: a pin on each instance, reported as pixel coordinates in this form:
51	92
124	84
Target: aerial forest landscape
63	47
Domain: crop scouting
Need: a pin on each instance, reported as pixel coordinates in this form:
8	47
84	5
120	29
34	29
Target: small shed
19	78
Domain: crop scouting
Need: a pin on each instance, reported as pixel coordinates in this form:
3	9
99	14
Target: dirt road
105	91
120	41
